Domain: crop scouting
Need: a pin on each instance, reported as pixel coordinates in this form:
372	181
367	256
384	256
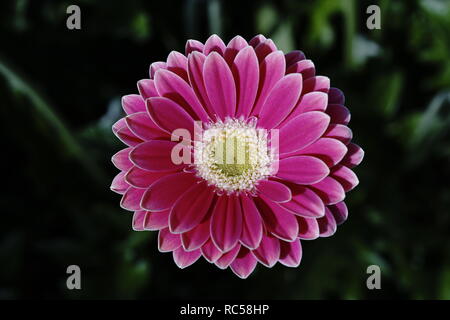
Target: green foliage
60	94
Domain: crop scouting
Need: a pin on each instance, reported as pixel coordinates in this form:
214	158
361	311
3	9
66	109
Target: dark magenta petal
220	86
155	156
246	75
274	190
156	220
164	192
244	263
339	211
185	258
190	209
226	223
214	44
138	220
268	252
327	224
305	202
193	45
302	131
252	227
131	200
354	156
302	169
168	241
227	258
290	253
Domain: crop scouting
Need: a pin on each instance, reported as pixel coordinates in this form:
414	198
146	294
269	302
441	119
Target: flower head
235	153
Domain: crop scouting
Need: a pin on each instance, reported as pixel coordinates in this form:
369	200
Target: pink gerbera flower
290	182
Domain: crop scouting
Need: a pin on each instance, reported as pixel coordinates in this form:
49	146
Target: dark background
60	92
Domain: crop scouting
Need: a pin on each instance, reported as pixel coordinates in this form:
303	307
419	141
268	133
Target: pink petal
143	126
193	45
327	224
256	40
271	70
220	85
305	67
354	156
163	194
268	252
210	251
308	228
190	209
140	178
155	66
133	103
338	113
138	220
318	83
265	48
274	190
119	124
339	132
280	101
302	131
131	200
339	211
168	241
128	137
290	253
226	223
227	258
329	190
330	151
119	185
244	263
293	57
305	203
234	46
280	222
312	101
196	237
147	88
346	177
196	61
336	96
302	169
169	116
156	220
246	75
121	159
184	258
155	156
214	43
172	86
177	63
251	223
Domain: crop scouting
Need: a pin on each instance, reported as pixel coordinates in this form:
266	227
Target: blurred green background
60	92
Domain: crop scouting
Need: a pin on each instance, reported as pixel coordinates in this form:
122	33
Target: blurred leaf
266	19
283	37
387	92
321	33
215	17
444	293
363	49
348	7
434	119
45	111
141	26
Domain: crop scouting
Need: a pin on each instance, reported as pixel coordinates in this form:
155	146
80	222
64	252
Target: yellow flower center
233	155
